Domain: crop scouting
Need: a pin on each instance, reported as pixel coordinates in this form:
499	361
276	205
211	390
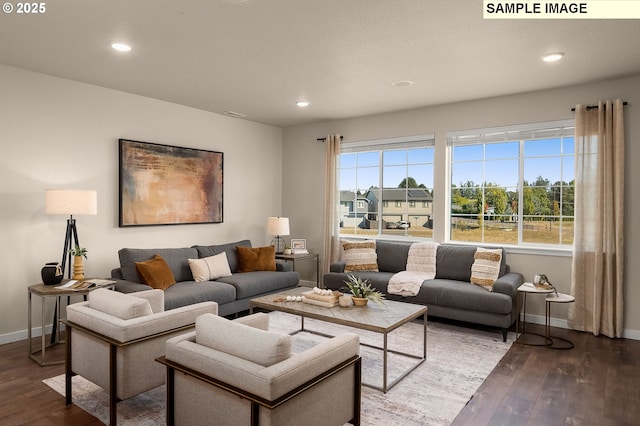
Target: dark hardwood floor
596	383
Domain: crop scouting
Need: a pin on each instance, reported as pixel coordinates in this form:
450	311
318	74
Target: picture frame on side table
299	246
298	243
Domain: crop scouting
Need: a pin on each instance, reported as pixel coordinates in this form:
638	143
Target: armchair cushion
119	305
249	343
155	272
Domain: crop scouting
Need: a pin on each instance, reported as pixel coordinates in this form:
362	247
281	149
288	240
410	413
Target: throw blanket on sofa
421	265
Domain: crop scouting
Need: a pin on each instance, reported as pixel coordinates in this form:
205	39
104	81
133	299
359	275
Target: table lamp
70	201
278	226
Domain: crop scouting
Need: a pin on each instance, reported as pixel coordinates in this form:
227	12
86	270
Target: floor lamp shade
278	226
71	201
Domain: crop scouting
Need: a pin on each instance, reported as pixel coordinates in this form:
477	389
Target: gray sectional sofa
232	293
451	294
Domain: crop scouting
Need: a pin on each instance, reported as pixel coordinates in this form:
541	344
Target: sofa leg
504	334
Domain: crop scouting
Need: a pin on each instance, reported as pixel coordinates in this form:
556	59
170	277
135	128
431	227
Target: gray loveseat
232	293
451	294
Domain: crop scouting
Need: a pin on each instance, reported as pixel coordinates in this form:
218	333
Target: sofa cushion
189	292
486	267
463	295
258	346
256	259
176	258
250	284
453	262
123	306
155	272
210	268
228	248
392	255
359	256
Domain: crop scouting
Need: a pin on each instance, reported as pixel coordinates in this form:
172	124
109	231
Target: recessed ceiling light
121	47
552	57
402	83
302	104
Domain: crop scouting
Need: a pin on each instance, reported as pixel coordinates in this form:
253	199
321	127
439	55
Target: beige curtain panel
330	222
597	279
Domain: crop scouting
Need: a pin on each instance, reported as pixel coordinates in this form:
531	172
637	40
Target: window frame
514	133
380	146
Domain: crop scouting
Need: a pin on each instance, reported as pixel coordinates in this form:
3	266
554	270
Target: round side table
553	341
535	339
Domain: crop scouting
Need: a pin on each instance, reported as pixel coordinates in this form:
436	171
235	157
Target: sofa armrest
258	320
508	284
338	266
127	330
124	286
283	266
266	382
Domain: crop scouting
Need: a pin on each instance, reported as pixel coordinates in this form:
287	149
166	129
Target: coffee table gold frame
377	318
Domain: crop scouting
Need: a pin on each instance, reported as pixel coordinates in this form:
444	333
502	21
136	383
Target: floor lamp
69	202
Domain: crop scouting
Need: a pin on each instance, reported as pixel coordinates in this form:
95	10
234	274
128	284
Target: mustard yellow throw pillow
256	259
156	273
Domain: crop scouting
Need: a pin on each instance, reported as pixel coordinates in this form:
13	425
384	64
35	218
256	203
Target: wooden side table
524	289
293	258
554	342
46	292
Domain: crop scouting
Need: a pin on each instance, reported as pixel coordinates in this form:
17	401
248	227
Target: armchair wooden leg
113	385
67	367
170	398
357	392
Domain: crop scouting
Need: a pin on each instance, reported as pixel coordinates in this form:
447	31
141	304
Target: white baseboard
563	323
22	334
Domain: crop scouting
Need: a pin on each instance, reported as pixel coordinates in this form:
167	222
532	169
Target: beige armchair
238	373
113	339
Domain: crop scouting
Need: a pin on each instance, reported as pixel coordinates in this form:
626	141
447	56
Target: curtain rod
324	139
595	106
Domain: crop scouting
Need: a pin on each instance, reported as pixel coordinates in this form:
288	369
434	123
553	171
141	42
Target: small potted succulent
363	291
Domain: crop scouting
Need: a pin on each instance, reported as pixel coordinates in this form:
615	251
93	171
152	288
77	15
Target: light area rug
458	361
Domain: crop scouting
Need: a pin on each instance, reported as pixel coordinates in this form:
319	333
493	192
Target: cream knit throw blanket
421	265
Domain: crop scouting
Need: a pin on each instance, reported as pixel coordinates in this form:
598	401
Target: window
513	185
389	176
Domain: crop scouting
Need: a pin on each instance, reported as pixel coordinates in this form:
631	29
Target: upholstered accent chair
114	338
239	373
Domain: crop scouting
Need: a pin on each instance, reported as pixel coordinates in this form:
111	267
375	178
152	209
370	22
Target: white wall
303	169
57	133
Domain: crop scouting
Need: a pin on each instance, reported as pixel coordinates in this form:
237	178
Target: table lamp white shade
278	226
71	201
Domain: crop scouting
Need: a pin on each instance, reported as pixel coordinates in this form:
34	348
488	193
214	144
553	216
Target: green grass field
533	232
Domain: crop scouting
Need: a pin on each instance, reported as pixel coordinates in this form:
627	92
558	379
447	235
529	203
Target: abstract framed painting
169	185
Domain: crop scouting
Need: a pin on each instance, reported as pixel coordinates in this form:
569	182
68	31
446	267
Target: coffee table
381	319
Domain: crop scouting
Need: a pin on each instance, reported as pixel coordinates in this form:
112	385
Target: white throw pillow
210	268
243	341
123	306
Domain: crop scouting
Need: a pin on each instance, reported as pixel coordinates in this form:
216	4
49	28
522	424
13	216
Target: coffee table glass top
374	317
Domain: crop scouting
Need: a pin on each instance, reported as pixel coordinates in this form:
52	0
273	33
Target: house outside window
391	174
512	185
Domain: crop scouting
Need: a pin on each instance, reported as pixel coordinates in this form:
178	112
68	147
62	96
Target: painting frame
169	185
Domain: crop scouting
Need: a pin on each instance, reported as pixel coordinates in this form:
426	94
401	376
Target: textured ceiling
258	57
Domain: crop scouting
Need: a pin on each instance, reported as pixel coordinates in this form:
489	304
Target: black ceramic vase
51	273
